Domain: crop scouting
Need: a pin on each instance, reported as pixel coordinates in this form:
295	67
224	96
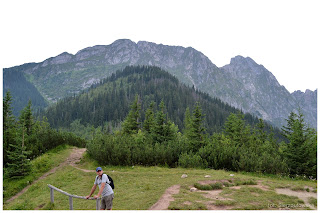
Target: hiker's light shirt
107	188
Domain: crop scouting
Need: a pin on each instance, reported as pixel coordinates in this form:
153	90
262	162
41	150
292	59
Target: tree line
156	140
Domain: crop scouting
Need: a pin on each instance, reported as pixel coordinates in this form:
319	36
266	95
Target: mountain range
243	83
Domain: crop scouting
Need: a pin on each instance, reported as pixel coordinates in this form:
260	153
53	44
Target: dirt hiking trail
74	157
164	202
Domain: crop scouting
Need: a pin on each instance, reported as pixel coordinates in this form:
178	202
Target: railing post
51	195
52	188
98	204
70	203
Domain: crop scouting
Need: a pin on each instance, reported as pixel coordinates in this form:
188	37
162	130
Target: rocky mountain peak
307	96
246	63
239	60
123	42
62	58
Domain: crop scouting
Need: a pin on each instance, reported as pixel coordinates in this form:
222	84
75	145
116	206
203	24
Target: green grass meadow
40	166
138	188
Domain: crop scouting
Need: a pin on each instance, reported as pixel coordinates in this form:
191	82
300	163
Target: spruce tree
149	121
261	134
9	129
194	130
287	130
18	165
310	147
197	129
187	122
131	124
8	118
159	130
236	129
26	118
298	134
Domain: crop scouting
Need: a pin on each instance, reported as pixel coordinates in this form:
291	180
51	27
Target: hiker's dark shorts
106	202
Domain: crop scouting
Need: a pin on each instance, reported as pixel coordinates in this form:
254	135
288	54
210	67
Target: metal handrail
71	196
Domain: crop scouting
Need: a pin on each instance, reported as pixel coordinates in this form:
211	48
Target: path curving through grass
72	160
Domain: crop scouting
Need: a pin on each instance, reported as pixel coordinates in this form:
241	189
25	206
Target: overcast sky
281	35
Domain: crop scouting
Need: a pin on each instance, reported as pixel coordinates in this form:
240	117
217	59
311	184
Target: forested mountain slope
109	101
23	91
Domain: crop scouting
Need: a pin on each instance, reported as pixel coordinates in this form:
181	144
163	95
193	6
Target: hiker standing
105	190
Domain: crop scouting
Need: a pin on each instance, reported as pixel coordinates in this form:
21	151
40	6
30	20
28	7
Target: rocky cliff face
260	93
243	83
308	102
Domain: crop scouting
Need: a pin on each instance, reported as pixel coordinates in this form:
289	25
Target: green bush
190	160
216	185
227	184
202	187
239	182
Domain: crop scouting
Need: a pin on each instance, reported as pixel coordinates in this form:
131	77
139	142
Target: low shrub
202	187
216	185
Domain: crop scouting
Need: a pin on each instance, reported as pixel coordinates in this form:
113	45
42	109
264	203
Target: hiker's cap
98	168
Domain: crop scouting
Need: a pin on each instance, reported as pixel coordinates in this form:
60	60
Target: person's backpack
111	181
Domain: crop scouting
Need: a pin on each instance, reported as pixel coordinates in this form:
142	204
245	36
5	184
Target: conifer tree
131	125
149	121
197	129
260	131
26	118
18	165
287	130
187	123
158	130
8	118
298	134
194	130
9	130
236	130
310	147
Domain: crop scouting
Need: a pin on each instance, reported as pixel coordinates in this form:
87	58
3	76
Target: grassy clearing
138	188
39	166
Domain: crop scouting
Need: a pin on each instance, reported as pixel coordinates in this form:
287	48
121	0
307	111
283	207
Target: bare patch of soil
164	202
76	157
212	194
235	187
